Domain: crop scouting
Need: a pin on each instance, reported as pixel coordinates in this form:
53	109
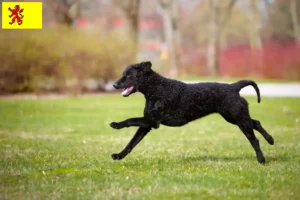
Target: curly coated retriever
174	103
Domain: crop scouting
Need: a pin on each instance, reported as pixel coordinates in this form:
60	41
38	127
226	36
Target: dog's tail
243	83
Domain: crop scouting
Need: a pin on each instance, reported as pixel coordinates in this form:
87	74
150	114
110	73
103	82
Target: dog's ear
145	66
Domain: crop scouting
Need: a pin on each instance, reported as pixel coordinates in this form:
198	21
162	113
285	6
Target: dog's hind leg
139	135
238	114
247	128
257	126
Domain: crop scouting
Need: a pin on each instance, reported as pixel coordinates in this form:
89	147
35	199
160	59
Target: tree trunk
255	20
214	40
256	40
64	12
177	33
131	10
169	36
133	17
294	13
267	8
215	30
134	29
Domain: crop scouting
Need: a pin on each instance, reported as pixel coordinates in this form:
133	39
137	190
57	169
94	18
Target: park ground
59	148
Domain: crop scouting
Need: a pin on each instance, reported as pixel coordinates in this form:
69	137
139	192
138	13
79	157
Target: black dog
174	103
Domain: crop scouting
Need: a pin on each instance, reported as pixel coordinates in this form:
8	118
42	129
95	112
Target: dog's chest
153	107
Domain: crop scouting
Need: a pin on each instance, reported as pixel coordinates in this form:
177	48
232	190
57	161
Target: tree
284	19
255	22
64	11
216	26
170	12
294	6
177	33
131	11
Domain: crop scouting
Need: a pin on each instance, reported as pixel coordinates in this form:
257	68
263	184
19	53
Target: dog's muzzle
116	85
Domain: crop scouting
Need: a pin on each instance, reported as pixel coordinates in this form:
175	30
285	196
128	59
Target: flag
22	15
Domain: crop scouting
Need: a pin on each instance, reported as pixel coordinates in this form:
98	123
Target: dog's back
188	102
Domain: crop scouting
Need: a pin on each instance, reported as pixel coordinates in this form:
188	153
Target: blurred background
86	44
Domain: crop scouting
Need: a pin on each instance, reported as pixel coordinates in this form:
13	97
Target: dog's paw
261	160
115	125
270	140
116	156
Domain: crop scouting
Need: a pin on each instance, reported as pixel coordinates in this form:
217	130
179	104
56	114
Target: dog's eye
128	76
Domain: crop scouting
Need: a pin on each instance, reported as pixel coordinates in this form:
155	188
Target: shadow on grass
205	159
213	158
217	158
279	158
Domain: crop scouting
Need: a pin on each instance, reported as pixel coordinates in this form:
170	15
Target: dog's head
132	77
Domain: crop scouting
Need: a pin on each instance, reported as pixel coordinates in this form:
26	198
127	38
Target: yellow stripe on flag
13	17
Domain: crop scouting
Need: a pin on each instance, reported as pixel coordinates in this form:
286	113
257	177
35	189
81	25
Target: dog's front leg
139	135
140	122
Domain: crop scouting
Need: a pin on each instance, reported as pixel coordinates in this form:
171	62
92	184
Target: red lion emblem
15	14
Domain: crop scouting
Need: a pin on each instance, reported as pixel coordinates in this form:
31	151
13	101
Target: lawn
60	149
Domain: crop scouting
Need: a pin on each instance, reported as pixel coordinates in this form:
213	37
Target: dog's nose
115	85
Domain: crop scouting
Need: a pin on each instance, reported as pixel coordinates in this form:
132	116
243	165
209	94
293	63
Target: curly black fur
174	103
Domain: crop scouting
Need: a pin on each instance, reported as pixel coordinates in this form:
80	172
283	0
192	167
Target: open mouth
127	91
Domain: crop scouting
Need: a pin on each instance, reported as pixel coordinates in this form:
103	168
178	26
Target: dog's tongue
127	90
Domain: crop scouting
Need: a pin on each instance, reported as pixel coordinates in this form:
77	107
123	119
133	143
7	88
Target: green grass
60	149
